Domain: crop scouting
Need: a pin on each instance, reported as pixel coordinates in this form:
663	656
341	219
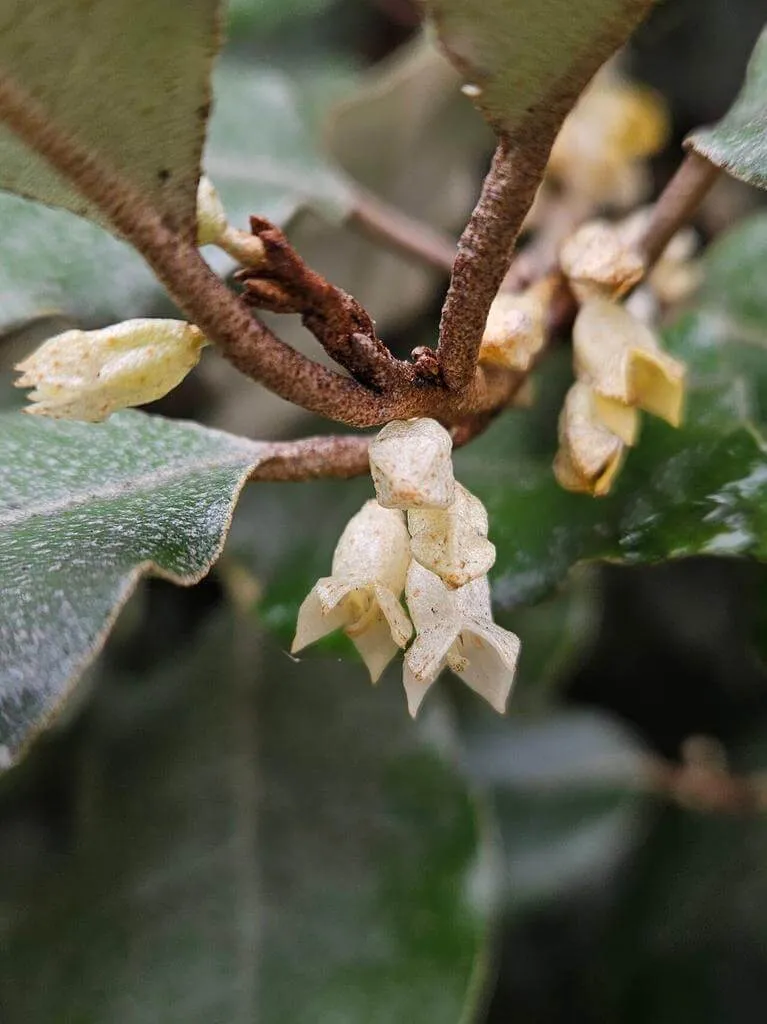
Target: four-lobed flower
362	594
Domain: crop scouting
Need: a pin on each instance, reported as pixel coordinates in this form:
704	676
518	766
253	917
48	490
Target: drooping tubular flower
591	452
515	331
362	594
622	360
411	464
614	126
88	375
455	629
453	542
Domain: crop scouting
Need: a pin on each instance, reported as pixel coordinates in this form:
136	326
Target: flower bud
515	331
597	261
455	629
614	125
411	465
88	375
211	217
362	594
453	542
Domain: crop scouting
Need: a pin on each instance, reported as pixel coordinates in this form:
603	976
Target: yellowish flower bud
362	594
88	375
453	542
411	465
597	261
590	454
213	228
516	327
211	217
455	629
621	358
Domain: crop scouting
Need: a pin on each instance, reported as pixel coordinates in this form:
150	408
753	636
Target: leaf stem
483	255
677	203
386	224
224	319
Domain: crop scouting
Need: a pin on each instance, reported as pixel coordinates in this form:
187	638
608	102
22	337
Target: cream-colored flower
621	358
453	542
599	261
590	453
599	151
88	375
515	331
411	465
362	594
455	629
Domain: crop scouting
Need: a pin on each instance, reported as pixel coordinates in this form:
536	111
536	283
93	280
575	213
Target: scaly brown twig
483	255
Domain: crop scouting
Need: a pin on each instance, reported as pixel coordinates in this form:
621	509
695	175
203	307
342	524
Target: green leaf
85	512
683	942
738	143
267	845
569	794
127	81
268	15
530	62
54	263
261	154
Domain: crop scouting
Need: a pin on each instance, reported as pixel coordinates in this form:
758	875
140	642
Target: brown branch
337	456
677	203
397	230
222	316
483	255
283	283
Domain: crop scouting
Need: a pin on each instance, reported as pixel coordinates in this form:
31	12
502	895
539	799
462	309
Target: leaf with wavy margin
85	512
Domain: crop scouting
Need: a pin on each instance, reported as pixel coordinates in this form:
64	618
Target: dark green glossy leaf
569	795
256	842
686	940
738	143
85	511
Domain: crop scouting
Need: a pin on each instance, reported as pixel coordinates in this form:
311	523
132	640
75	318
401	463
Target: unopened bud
88	375
597	261
411	465
211	217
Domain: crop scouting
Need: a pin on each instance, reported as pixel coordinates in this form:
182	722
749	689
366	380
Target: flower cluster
619	365
424	537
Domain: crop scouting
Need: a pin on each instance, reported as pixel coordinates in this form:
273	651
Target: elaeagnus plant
121	145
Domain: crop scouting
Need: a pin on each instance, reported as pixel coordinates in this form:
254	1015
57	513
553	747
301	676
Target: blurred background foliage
214	832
